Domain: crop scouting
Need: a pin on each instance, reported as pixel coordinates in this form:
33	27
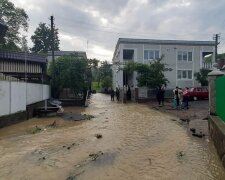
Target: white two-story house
184	58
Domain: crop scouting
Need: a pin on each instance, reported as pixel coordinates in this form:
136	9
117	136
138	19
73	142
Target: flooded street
137	143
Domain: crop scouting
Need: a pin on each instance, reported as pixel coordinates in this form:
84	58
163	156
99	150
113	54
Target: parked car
196	93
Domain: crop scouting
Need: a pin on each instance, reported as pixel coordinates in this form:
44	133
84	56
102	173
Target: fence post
212	76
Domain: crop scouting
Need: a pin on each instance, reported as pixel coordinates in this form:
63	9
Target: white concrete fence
15	96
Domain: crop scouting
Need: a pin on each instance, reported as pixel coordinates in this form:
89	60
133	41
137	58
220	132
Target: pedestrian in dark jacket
160	96
117	94
129	94
186	98
112	92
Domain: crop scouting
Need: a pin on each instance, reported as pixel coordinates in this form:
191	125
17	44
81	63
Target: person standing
159	96
176	97
186	98
129	94
112	92
117	94
162	95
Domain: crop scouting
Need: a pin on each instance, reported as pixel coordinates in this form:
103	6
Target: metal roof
169	42
20	56
62	53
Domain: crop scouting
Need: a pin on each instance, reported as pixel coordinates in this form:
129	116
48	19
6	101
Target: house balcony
207	65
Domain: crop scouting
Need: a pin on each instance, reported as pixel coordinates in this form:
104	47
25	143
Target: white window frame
182	52
186	79
154	50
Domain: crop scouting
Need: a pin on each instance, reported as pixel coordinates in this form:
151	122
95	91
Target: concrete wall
15	96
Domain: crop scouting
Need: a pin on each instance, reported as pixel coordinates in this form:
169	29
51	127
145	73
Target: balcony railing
207	65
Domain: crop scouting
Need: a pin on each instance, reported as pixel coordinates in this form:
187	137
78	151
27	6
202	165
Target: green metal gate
220	97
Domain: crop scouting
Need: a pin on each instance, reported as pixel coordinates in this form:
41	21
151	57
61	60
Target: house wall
15	96
170	58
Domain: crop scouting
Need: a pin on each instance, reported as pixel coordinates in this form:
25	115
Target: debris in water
88	117
180	154
193	130
94	156
206	118
173	119
74	177
200	135
98	136
77	117
43	158
36	130
185	119
68	148
52	124
150	161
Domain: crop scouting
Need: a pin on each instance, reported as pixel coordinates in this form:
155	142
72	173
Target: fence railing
207	65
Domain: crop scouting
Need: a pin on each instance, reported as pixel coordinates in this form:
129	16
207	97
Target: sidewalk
196	115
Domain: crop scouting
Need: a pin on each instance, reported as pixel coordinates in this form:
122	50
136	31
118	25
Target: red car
196	93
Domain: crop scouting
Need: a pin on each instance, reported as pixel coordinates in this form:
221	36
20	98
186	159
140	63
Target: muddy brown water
137	143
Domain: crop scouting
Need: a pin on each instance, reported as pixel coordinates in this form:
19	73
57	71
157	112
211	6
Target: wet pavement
136	142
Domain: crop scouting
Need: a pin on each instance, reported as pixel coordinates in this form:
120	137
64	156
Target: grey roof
169	42
62	53
20	56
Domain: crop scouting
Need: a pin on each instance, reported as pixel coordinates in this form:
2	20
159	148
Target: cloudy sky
102	22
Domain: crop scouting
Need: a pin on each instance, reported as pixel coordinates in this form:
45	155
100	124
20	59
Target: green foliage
42	39
17	21
150	75
71	72
105	74
95	86
107	82
202	76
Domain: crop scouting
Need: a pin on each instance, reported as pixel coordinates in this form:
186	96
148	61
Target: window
151	54
179	56
184	74
189	56
128	54
184	56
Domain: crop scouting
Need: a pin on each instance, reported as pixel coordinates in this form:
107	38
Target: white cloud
103	22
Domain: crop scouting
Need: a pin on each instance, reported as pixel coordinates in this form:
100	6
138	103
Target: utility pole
216	38
53	55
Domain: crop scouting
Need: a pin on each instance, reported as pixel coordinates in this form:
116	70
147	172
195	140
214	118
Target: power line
113	30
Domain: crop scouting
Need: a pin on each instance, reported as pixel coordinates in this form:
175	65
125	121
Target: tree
202	76
107	82
71	72
16	20
42	39
150	75
24	46
104	73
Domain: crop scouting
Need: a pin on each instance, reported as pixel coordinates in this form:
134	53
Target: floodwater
137	143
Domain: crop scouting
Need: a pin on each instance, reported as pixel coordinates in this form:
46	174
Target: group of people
117	93
112	93
181	98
